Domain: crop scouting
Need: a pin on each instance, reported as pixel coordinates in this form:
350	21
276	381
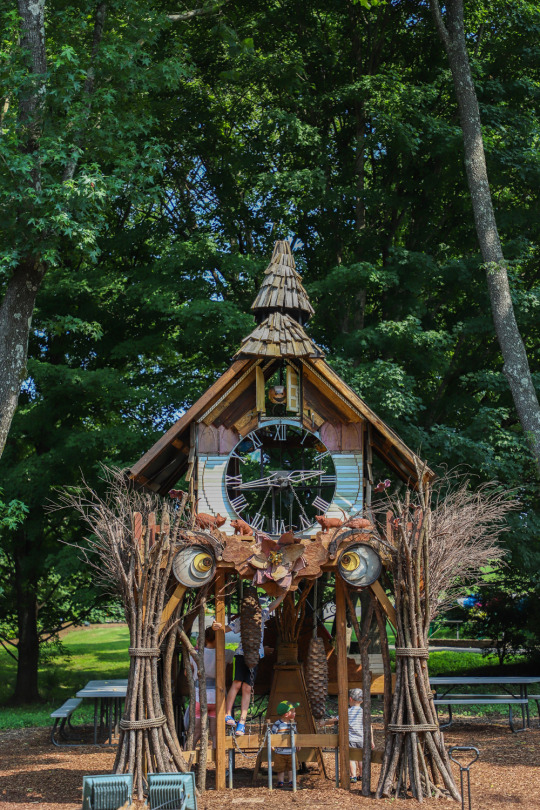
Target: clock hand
298	476
257	484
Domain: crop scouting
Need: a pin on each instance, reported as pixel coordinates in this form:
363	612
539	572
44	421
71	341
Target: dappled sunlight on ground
35	774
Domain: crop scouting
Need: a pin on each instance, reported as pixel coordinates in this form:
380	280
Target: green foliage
508	614
12	514
202	143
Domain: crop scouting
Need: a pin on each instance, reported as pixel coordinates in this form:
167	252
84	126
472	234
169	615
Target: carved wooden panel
331	436
208	439
228	439
351	436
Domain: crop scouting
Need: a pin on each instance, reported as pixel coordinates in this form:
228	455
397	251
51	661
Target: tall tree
451	30
76	83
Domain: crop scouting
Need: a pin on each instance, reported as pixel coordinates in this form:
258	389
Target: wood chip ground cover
34	774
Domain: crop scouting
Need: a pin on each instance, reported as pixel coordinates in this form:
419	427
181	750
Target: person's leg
231	696
245	701
280	777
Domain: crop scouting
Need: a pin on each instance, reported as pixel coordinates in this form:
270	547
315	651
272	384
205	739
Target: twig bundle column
415	758
147	741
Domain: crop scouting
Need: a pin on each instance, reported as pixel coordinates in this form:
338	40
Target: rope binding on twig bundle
413	727
412	652
145	652
147	722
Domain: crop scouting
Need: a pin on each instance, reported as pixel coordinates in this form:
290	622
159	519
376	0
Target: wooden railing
253	742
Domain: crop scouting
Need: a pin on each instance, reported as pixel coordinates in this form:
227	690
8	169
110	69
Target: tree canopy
162	186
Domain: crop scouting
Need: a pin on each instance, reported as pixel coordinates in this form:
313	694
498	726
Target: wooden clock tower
280	452
279	438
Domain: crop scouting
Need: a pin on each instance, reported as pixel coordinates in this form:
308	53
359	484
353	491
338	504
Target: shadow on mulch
35	774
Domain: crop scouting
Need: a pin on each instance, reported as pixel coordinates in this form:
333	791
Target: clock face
279	477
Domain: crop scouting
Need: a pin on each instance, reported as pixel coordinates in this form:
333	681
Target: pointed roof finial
282	289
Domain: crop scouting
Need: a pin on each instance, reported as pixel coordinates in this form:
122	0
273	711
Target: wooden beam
183	423
333	379
240	405
220	682
342	678
260	392
171	605
377	685
213	416
386	604
321	397
253	743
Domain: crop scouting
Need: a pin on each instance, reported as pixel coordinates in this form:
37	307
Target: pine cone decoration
316	672
250	627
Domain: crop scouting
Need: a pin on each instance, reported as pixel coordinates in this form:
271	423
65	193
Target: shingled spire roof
278	336
282	289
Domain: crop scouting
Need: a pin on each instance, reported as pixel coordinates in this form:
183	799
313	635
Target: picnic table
510	684
107	696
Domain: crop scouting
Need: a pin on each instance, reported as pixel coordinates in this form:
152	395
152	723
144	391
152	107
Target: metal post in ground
269	753
464	773
293	755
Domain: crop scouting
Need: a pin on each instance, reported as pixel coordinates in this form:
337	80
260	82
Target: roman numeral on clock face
239	503
254	439
304	521
234	454
233	480
328	479
320	503
280	433
257	521
322	455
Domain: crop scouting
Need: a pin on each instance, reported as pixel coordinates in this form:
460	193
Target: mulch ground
35	774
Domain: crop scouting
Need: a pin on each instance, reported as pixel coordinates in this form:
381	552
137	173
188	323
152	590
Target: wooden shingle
282	287
279	336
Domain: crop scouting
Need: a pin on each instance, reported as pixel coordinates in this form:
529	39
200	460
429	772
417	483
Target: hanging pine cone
250	626
316	673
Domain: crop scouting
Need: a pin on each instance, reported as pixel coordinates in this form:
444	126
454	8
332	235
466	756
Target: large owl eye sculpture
359	565
194	566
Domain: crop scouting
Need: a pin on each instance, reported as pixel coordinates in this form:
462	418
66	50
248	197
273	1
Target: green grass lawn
102	652
95	653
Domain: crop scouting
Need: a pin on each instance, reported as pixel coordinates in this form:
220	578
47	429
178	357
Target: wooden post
342	684
221	754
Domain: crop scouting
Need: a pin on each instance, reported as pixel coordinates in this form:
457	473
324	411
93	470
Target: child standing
286	712
356	730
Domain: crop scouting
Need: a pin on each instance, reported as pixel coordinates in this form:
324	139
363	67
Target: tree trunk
15	320
26	685
516	366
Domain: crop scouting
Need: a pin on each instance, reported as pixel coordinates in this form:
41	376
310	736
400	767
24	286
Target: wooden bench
483	700
63	716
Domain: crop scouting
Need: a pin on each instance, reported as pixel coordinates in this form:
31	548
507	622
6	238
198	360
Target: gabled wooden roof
282	289
229	404
161	467
278	336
